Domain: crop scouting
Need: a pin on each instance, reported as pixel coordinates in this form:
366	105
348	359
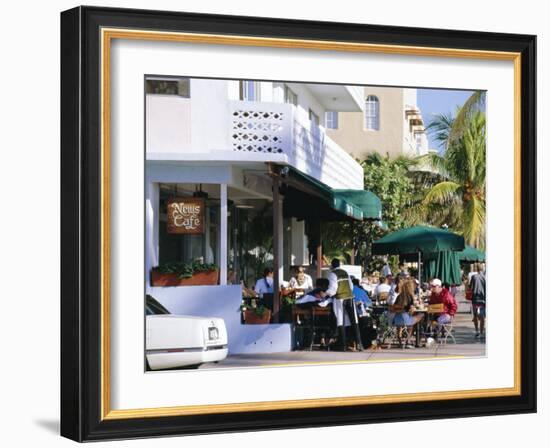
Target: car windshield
152	306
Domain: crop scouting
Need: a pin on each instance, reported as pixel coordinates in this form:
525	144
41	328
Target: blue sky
437	101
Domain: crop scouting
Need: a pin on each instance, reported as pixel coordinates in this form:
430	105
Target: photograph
276	224
351	227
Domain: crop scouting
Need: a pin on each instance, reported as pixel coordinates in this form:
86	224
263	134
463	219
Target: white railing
279	128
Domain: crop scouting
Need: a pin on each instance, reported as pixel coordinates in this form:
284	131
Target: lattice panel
258	131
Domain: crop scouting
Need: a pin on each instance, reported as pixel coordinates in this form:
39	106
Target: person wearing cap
442	295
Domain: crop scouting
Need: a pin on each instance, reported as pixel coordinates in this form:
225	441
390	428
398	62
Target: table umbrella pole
419	271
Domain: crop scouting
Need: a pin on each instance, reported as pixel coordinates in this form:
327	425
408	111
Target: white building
260	155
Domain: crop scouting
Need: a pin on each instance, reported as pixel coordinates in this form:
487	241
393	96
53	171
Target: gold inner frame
107	35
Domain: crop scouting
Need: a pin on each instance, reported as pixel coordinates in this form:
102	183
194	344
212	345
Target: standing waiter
341	290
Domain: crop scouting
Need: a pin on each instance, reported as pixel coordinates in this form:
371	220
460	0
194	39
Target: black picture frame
81	210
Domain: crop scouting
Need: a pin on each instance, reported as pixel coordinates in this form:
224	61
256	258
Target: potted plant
179	273
288	299
254	315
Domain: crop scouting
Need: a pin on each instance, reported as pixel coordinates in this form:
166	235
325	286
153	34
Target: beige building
391	123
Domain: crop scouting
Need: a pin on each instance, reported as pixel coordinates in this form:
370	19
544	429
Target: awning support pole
319	250
223	234
277	247
352	257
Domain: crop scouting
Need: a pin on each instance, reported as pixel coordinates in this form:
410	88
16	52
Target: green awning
346	207
306	197
367	201
471	254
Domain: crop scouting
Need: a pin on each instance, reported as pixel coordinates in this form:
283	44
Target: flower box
252	318
199	278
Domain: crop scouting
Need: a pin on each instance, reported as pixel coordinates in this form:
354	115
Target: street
466	346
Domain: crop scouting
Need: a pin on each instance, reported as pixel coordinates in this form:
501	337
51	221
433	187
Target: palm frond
442	192
440	126
475	103
474	221
435	161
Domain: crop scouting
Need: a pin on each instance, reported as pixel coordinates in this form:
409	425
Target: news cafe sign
185	215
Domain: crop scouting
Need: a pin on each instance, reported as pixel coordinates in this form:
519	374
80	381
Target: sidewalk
466	346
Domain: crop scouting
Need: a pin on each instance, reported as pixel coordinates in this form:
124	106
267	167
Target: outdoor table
379	309
311	313
420	326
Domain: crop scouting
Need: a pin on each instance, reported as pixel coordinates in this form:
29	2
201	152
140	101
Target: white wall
30	373
266	92
298	244
307	101
210	126
409	141
233	90
278	92
168	119
199	124
409	97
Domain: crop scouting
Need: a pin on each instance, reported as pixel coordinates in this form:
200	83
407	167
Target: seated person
405	300
384	287
264	288
264	285
396	288
359	294
316	296
301	282
403	270
374	282
442	295
360	297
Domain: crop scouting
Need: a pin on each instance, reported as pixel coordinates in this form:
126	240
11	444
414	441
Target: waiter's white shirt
338	305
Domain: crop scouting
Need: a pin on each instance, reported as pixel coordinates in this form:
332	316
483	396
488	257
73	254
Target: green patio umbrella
471	254
421	240
444	265
418	239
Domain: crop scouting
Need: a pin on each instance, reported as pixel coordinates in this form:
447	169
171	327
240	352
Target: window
372	113
331	119
177	87
314	118
187	248
418	138
250	91
153	307
290	96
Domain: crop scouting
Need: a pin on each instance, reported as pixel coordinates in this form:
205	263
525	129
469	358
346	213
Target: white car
174	341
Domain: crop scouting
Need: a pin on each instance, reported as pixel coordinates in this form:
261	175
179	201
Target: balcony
275	128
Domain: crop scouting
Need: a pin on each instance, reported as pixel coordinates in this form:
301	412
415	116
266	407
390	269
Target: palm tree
475	103
459	198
